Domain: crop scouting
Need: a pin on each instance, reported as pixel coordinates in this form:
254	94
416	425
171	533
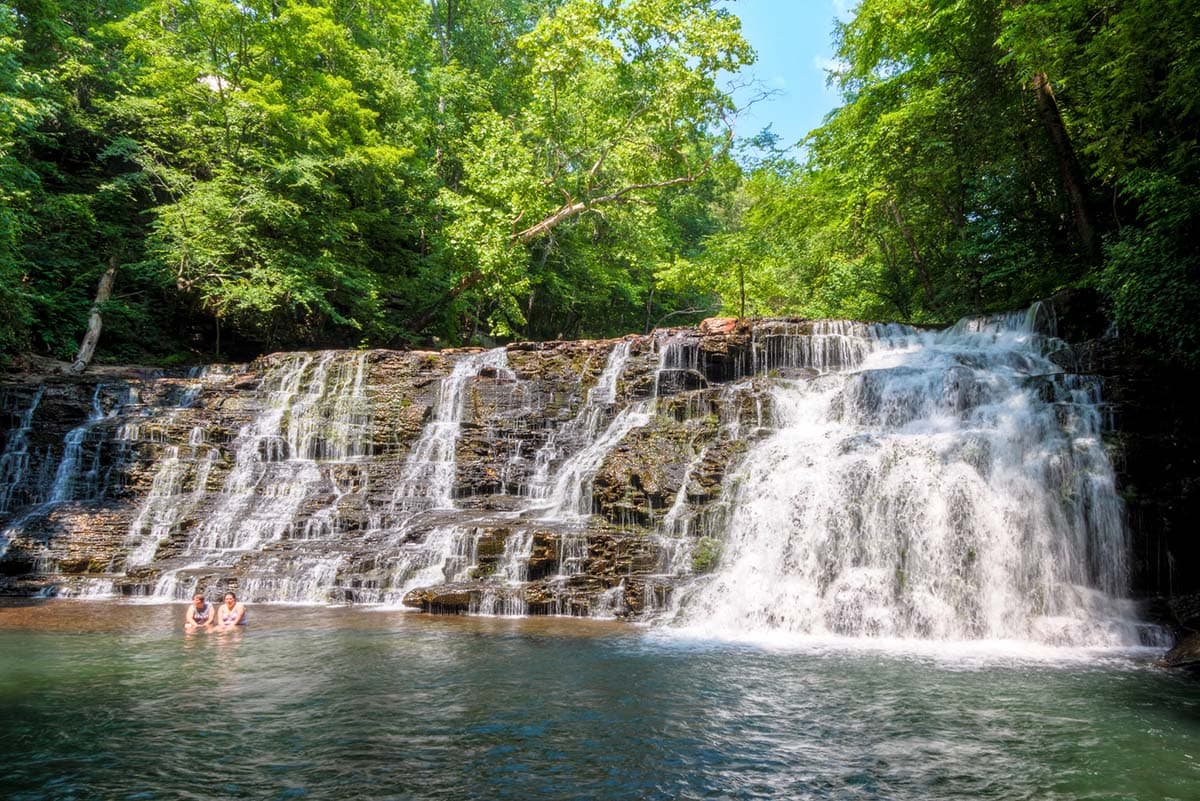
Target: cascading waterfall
792	478
427	485
428	480
682	529
166	504
70	473
316	415
73	481
14	460
513	571
571	496
822	345
581	428
950	486
558	490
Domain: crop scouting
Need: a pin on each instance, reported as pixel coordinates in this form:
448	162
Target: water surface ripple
101	700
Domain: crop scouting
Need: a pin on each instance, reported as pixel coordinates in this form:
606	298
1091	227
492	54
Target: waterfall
790	478
73	480
571	496
413	552
942	485
584	426
316	415
166	505
429	471
823	345
559	488
14	459
68	476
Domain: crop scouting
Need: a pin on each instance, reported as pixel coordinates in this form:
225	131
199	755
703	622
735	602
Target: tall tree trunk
918	262
741	271
103	292
462	285
1072	175
650	303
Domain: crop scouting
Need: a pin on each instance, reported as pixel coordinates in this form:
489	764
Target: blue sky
793	39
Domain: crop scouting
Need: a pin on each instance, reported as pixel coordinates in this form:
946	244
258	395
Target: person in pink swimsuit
231	614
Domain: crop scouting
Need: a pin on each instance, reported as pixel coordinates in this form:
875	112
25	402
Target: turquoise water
104	700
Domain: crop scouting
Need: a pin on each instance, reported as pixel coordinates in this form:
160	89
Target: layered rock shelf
572	478
293	480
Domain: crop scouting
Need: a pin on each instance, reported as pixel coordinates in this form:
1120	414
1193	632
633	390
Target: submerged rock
1186	653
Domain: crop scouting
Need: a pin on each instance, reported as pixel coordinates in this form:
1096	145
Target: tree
930	192
623	105
17	112
1130	96
285	140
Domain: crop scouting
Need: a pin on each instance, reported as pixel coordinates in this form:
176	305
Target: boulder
1186	653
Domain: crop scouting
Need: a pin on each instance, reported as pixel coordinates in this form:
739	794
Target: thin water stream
107	700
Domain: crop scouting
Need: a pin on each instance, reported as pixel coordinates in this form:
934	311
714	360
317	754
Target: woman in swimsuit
200	613
231	613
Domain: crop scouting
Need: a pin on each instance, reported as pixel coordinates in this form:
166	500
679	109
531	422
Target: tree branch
570	210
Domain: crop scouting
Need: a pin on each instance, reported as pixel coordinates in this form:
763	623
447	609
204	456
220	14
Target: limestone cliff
541	478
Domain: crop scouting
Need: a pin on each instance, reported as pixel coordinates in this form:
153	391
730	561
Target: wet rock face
533	481
584	478
1186	653
1154	443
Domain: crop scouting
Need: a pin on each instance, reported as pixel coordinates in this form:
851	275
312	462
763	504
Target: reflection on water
115	701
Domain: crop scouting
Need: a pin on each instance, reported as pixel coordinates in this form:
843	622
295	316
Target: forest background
227	178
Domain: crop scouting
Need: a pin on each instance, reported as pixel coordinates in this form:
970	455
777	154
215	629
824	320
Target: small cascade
822	345
504	593
166	504
76	478
678	365
570	495
71	480
610	603
288	580
408	563
570	498
429	471
245	517
687	535
952	486
426	485
316	415
583	428
513	568
14	459
559	490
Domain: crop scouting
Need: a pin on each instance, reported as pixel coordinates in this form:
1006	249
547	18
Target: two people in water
227	616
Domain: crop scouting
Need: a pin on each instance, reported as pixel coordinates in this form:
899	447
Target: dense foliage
291	173
989	152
